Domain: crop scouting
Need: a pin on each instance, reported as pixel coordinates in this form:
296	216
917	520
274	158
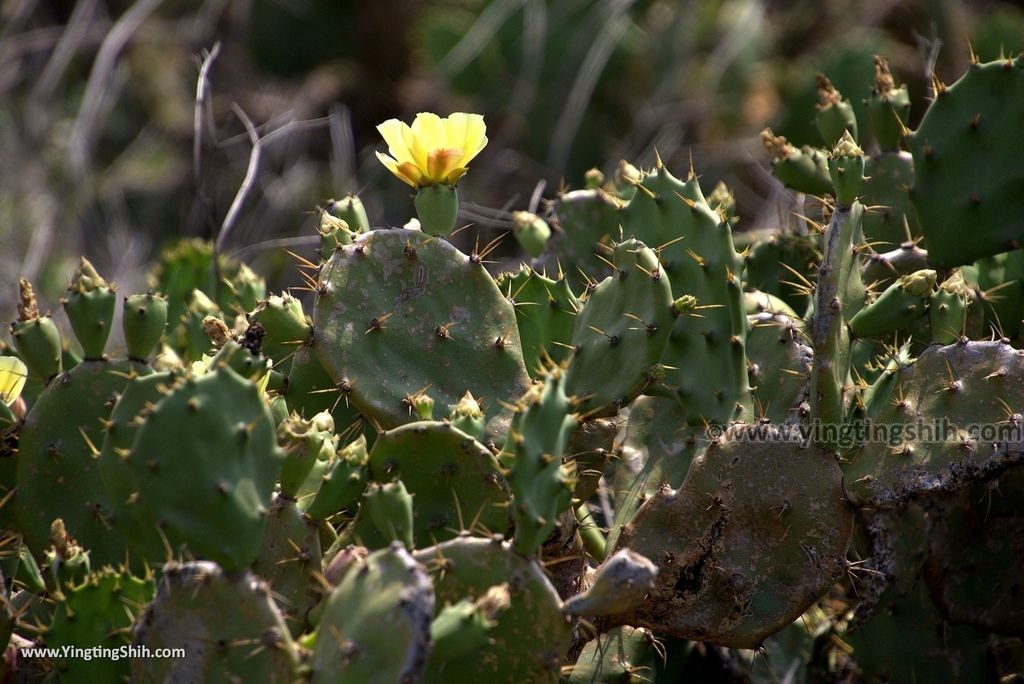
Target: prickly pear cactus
537	438
621	331
291	562
545	313
755	535
623	654
678	446
398	312
965	159
972	538
58	446
376	623
944	401
531	634
778	365
456	482
99	611
228	625
204	461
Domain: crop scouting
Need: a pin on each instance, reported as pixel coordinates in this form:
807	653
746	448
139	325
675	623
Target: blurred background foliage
98	102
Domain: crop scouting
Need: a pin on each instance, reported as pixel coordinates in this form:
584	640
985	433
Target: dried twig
250	178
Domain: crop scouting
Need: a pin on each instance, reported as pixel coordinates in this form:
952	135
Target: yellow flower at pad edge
12	378
433	151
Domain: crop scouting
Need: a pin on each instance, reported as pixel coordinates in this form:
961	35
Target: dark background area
97	105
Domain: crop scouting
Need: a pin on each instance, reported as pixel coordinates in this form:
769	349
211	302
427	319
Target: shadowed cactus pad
399	311
227	623
755	535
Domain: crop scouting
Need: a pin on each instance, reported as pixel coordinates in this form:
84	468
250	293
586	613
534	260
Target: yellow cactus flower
12	378
433	151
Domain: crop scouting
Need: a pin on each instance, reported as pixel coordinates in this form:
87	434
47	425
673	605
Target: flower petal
394	133
455	130
474	137
455	175
429	130
12	378
410	173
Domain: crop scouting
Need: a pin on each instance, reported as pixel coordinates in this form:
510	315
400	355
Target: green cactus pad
531	231
881	268
948	391
120	484
388	507
144	319
468	416
838	297
227	623
888	107
846	167
696	250
206	460
765	252
455	480
545	313
536	442
656	447
376	623
890	175
778	365
948	309
310	390
902	303
290	562
305	443
590	447
590	222
463	627
57	449
341	483
400	311
835	113
284	324
350	209
621	330
98	612
999	285
804	169
531	635
188	265
90	305
755	535
968	176
38	343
